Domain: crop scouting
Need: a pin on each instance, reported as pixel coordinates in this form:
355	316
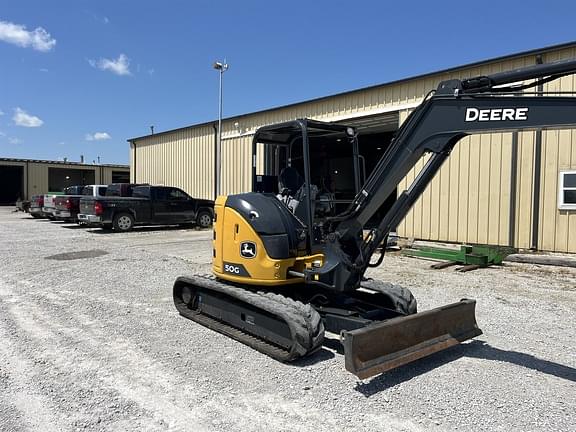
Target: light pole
221	67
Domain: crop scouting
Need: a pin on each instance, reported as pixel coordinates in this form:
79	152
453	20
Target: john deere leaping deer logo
248	249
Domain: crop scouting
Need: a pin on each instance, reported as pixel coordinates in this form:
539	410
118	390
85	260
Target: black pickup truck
149	205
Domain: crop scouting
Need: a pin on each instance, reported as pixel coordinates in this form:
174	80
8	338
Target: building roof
349	92
51	162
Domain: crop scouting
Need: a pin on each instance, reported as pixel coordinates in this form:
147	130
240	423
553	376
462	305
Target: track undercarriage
378	324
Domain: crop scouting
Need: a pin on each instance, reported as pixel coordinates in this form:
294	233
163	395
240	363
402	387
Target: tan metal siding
184	160
236	165
38	178
524	189
468	199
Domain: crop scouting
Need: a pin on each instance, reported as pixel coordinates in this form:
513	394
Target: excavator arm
455	110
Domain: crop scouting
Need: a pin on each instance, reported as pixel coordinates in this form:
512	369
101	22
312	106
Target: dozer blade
386	345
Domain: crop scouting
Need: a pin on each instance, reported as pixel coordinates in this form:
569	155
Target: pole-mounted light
221	67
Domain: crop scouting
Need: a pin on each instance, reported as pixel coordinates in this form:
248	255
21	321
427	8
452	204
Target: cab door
182	205
162	210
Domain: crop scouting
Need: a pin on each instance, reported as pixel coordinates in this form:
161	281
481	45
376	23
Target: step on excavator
289	258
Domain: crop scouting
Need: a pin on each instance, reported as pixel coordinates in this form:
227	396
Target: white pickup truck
48	208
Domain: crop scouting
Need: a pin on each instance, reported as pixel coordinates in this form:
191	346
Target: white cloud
2	134
14	141
120	66
98	136
22	118
1	113
16	34
100	18
43	70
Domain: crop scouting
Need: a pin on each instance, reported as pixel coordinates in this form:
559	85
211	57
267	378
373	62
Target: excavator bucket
386	345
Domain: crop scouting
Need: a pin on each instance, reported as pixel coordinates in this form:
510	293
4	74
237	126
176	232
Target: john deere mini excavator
289	261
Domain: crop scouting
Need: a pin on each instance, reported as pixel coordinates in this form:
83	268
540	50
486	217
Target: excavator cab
314	168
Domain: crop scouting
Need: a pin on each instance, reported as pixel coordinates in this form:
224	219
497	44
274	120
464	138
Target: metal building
516	189
22	178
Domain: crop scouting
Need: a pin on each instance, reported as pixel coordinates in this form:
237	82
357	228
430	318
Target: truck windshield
88	190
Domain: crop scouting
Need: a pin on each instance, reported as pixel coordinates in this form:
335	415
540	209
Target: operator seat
293	192
291	180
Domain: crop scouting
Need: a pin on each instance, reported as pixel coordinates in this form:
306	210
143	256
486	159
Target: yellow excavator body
239	255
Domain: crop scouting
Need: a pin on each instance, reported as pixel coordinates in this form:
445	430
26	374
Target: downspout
133	167
27	190
215	127
513	191
537	175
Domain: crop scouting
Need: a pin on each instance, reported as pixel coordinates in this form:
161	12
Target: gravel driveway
90	340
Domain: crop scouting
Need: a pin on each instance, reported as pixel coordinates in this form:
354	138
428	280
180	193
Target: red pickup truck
67	206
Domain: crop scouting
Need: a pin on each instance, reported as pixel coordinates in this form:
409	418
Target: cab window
141	192
177	194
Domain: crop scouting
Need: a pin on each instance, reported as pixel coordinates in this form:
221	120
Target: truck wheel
204	219
123	222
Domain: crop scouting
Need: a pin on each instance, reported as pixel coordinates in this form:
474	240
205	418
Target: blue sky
82	76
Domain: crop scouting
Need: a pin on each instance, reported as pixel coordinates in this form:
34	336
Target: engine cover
257	240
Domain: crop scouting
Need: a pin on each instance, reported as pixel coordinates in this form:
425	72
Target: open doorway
372	148
60	178
11	184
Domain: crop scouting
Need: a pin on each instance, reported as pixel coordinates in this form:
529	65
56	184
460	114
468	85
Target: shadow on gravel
75	226
152	228
322	355
474	349
67	256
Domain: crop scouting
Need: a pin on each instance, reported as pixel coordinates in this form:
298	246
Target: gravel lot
94	343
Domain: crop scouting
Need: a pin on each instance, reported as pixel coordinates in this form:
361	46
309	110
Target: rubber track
306	326
401	298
